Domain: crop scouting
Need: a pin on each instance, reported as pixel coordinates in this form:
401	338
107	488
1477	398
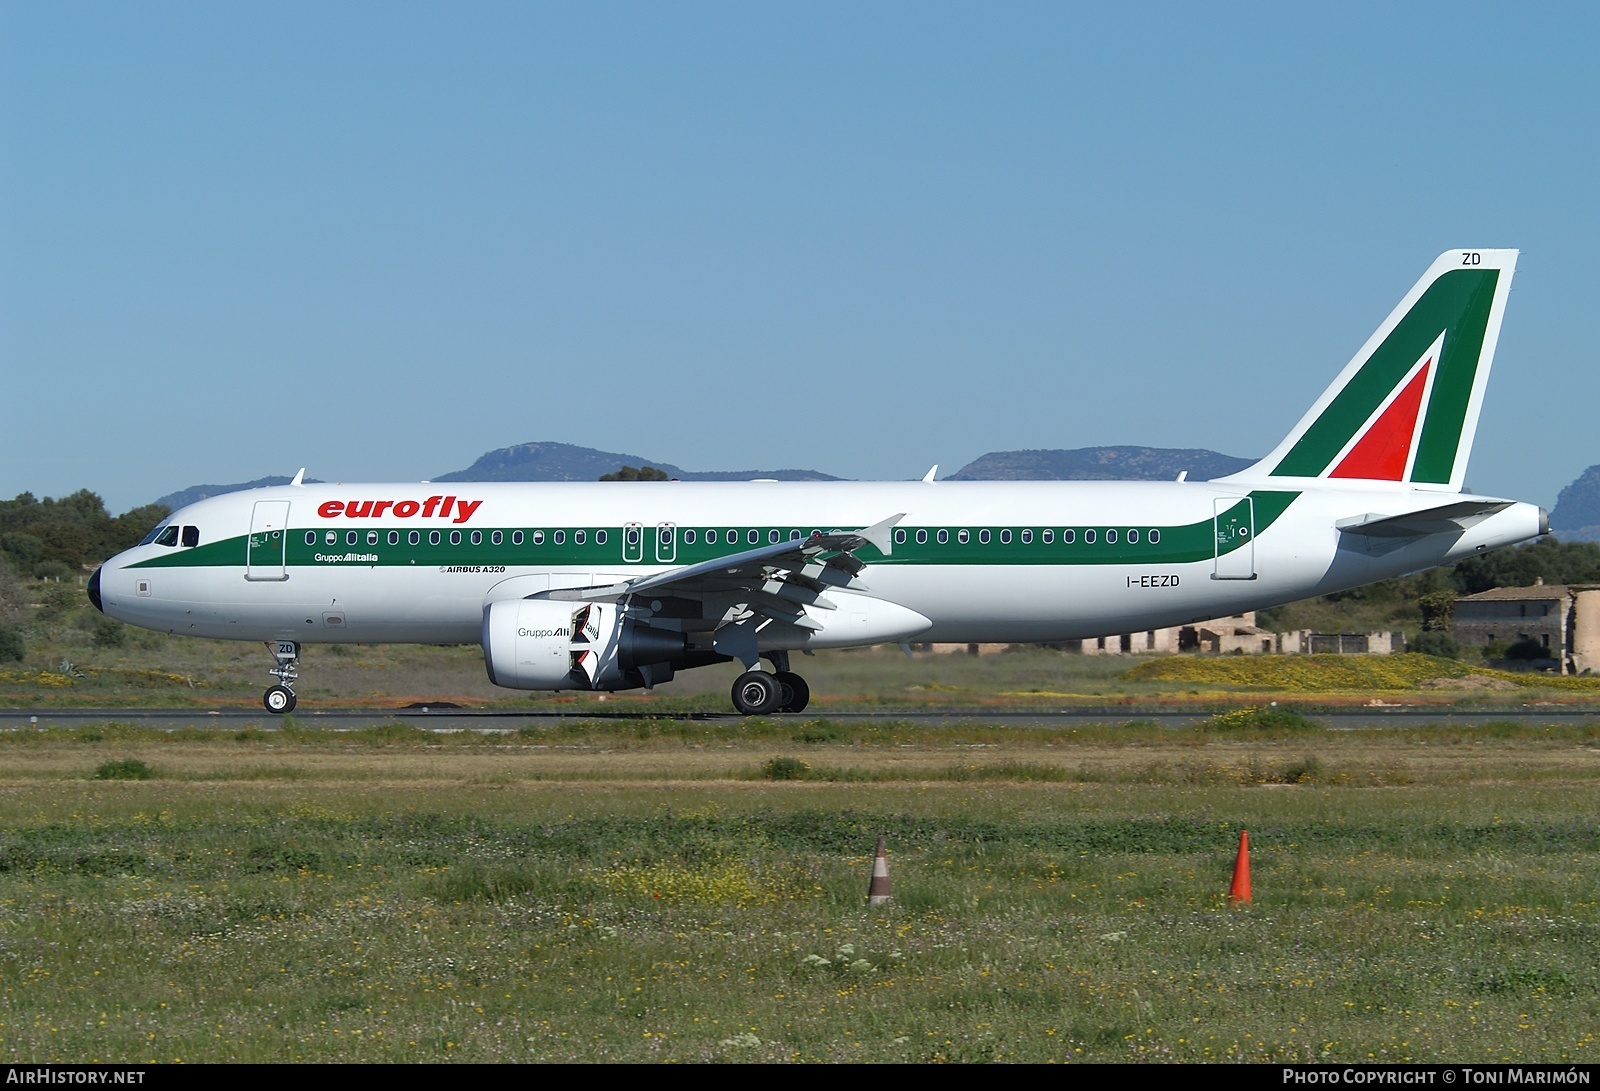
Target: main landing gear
280	698
757	693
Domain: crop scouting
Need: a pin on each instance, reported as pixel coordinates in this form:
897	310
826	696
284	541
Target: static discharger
878	892
1239	892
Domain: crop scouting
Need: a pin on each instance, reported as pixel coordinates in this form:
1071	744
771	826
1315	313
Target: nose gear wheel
280	698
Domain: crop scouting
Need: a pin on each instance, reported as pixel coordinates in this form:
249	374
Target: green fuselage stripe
1183	544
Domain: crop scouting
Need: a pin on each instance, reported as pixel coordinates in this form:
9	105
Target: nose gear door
267	546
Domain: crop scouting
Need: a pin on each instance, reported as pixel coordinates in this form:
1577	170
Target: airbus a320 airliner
619	585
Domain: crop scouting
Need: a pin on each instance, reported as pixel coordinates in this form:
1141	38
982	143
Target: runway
505	720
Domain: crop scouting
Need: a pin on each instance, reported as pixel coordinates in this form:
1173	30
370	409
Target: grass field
644	890
156	671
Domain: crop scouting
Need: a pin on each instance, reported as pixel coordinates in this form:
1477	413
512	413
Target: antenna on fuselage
1183	474
928	477
299	478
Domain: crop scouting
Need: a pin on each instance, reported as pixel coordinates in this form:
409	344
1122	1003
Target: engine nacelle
527	644
540	644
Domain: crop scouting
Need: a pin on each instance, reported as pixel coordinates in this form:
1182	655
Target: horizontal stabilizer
1445	519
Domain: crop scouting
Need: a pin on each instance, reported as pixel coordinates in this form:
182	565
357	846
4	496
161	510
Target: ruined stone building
1563	619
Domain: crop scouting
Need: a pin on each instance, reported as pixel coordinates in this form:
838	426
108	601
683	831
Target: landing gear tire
756	693
278	700
794	694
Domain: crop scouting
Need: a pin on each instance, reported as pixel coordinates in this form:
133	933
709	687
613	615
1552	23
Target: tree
1547	559
642	473
69	533
1438	611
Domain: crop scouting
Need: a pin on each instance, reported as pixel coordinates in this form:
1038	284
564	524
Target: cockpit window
167	537
149	539
191	536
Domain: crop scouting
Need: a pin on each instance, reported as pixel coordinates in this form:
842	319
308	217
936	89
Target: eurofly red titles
434	507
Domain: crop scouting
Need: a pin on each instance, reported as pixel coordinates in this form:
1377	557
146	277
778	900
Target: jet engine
539	644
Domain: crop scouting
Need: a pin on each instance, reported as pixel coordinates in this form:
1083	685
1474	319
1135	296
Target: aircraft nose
94	591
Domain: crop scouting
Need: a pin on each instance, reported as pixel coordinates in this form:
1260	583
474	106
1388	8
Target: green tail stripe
1458	302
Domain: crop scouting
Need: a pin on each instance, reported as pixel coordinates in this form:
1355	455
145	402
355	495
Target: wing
775	581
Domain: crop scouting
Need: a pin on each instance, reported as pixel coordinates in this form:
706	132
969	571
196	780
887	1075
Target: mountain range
1576	516
568	462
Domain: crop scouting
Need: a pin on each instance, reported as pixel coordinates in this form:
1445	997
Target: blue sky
378	240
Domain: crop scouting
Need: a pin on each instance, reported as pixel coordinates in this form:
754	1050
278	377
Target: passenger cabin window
1005	537
1155	536
331	538
538	537
394	537
688	537
944	537
1047	536
1133	537
559	537
191	537
352	537
497	538
600	537
1027	537
433	537
372	537
963	536
579	537
753	537
1088	536
922	537
477	537
455	537
983	536
1069	536
311	537
1111	537
414	538
899	537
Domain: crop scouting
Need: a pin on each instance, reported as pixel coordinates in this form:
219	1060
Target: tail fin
1406	408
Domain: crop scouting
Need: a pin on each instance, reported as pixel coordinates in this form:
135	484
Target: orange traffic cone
1239	892
878	890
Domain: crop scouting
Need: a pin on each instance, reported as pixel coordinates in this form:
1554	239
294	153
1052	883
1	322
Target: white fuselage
1016	563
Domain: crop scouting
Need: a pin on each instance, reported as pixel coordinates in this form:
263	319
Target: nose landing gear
280	698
